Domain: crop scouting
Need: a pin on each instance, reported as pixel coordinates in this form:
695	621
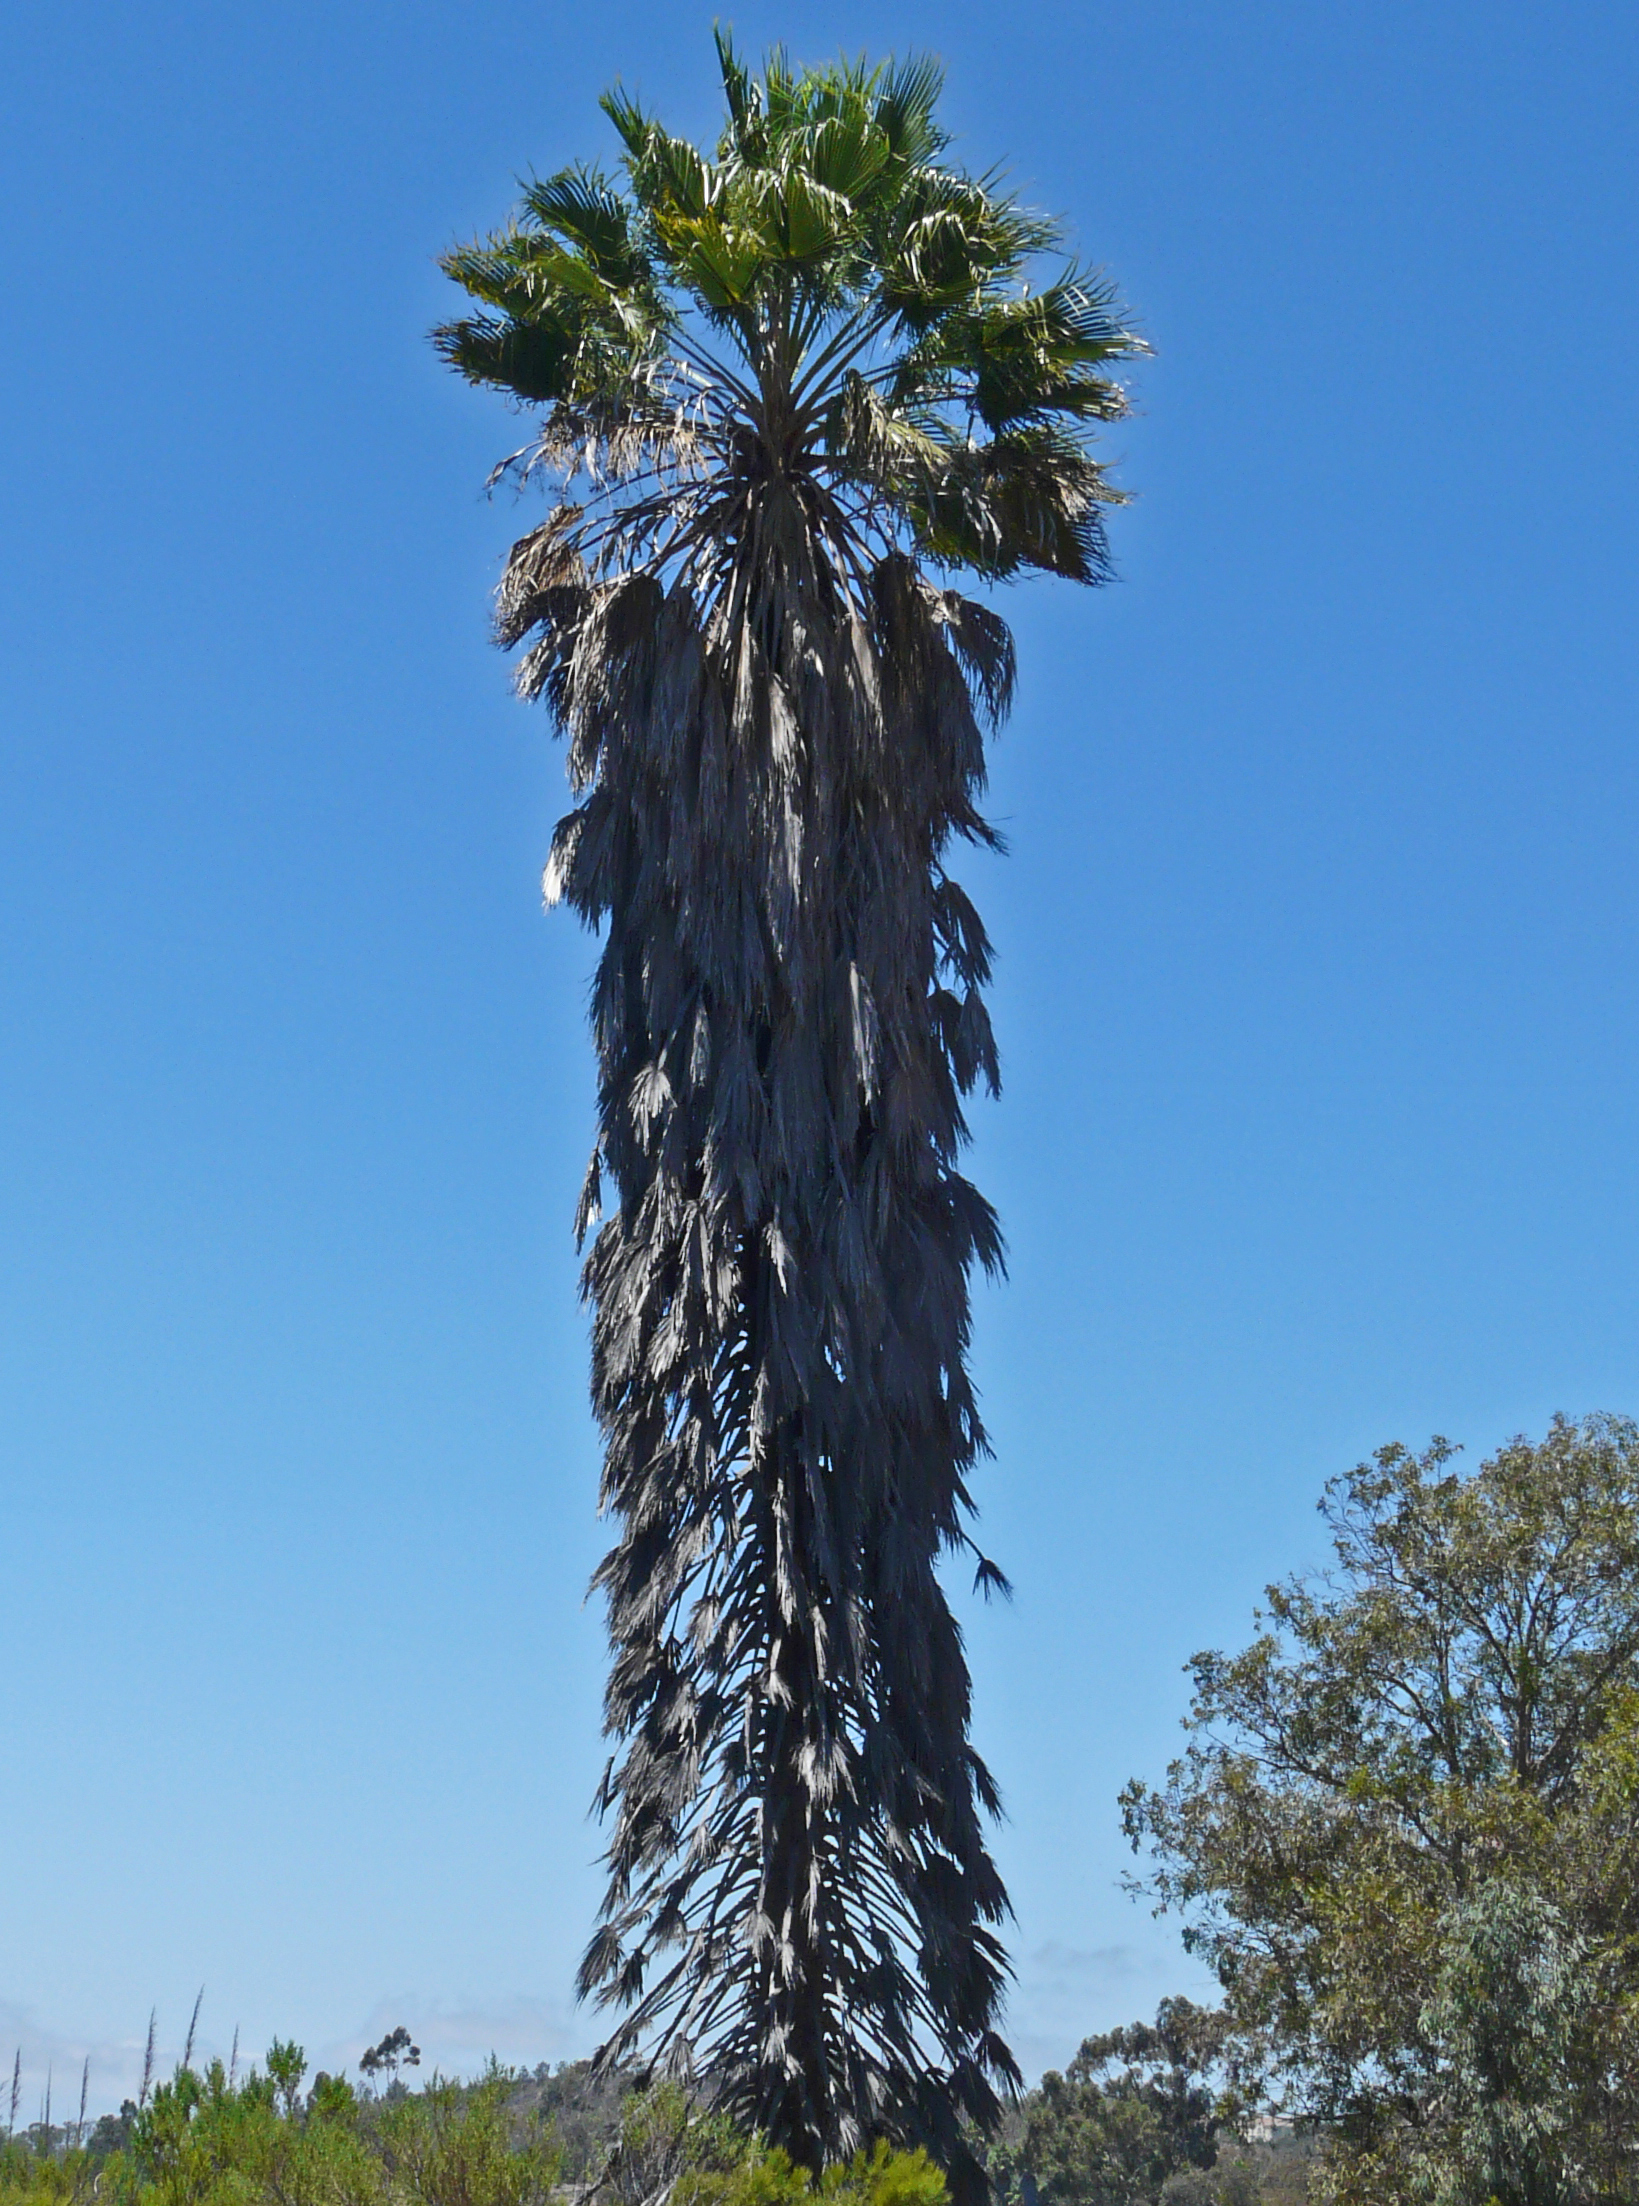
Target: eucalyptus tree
786	388
1405	1828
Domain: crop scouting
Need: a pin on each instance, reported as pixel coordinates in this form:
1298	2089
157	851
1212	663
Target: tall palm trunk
781	1316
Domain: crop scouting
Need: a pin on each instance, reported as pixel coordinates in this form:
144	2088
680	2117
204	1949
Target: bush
202	2139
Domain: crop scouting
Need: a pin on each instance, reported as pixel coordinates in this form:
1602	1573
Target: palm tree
780	384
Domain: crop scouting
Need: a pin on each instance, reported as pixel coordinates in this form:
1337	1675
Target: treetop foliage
826	291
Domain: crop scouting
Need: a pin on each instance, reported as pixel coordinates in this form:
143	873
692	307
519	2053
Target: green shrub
881	2177
450	2145
203	2139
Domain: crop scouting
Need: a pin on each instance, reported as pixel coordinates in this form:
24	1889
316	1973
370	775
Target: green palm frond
581	206
532	359
827	234
1032	357
907	99
1028	497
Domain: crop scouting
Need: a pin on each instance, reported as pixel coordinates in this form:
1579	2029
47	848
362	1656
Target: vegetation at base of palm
203	2139
785	381
880	2177
1405	1830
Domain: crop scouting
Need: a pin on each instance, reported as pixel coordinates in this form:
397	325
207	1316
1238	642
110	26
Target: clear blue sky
1316	989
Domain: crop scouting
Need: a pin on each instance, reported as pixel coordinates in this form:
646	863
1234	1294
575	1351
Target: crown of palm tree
776	385
826	316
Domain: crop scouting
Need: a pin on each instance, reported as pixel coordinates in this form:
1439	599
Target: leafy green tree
395	2051
1423	1753
1509	2007
1134	2107
781	380
286	2066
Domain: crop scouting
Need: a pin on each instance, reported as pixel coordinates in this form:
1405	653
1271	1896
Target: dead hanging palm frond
779	382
